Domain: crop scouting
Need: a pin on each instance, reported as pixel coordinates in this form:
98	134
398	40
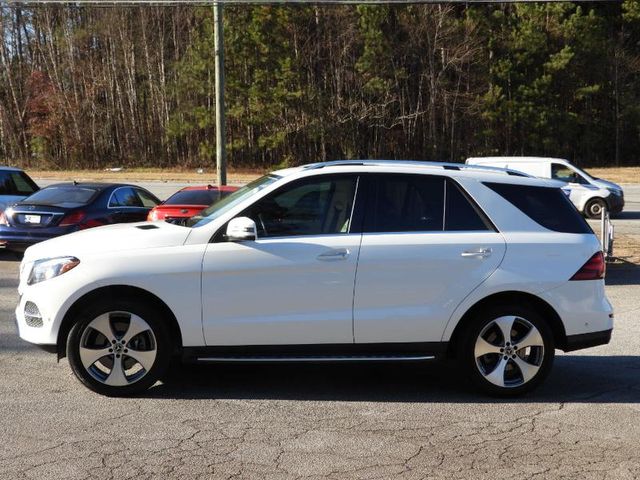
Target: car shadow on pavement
628	215
7	256
574	379
626	273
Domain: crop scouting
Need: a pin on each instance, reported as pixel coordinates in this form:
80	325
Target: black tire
594	208
155	337
480	368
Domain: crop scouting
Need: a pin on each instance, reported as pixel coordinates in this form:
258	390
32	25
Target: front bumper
43	335
615	203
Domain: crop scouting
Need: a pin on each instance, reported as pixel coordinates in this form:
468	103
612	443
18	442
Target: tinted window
16	183
460	213
147	200
125	197
67	197
318	206
547	206
195	197
232	200
6	184
406	203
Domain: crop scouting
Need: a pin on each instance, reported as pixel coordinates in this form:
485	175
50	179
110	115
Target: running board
381	358
365	352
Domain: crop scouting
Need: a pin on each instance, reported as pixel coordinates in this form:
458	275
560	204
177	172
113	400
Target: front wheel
119	348
595	207
507	351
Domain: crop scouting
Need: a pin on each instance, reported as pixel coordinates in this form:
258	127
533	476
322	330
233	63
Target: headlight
615	191
51	267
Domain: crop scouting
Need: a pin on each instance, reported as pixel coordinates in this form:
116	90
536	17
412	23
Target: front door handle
337	254
478	253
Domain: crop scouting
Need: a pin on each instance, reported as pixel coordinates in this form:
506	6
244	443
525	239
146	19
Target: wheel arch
115	291
511	297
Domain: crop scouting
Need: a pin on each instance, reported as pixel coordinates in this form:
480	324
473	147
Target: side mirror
241	229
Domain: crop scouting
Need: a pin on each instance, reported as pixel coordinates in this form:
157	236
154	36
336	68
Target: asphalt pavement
336	421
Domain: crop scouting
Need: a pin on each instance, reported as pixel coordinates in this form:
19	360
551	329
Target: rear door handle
337	254
478	253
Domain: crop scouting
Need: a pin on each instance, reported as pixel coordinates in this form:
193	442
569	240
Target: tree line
89	87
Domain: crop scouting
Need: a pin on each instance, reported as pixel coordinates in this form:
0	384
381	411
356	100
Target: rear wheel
595	207
119	348
507	351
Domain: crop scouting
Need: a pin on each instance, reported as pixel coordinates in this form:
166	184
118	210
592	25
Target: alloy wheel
118	348
509	351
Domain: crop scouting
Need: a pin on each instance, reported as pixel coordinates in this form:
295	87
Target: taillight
3	220
72	219
594	269
152	216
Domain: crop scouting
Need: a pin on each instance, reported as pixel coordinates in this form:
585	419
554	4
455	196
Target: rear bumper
17	246
587	340
19	240
585	311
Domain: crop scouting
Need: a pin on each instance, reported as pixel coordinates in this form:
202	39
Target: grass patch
614	174
617	174
234	177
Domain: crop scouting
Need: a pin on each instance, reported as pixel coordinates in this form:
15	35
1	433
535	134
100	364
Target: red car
187	202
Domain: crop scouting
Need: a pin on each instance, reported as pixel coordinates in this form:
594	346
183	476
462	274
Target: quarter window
319	206
147	200
460	213
547	206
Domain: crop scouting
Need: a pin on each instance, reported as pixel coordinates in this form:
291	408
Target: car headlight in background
51	267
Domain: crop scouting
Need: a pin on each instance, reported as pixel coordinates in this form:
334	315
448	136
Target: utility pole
221	155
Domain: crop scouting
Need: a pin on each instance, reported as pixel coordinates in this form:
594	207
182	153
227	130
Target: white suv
338	261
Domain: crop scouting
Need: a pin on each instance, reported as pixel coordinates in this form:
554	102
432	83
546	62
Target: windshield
66	197
220	208
583	172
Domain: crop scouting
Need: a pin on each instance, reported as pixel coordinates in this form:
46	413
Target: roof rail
413	163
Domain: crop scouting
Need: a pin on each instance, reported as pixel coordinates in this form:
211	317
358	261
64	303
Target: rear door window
547	206
16	183
406	203
124	197
6	184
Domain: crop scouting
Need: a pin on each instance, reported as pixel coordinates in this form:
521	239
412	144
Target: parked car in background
187	202
67	207
14	186
590	195
491	269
